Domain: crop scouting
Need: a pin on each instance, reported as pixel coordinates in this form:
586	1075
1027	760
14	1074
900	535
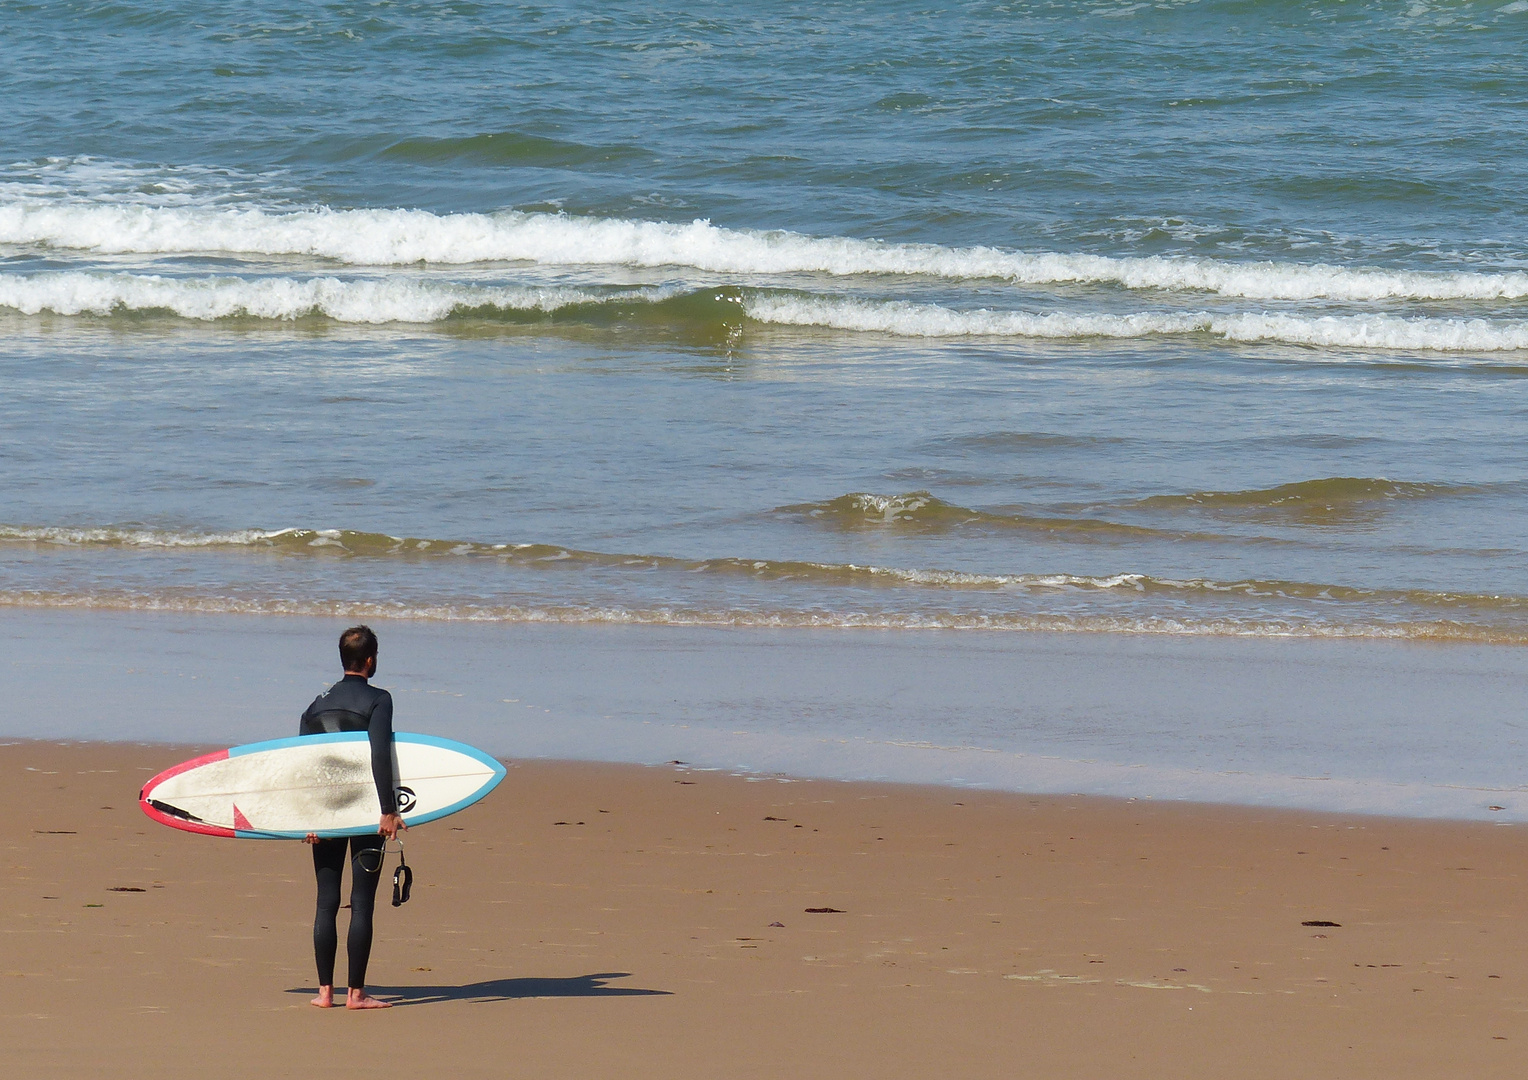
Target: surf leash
403	875
403	879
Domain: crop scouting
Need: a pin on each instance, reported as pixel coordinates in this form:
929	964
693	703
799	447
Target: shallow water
1372	727
1182	319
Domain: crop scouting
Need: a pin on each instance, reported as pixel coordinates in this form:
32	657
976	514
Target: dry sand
591	921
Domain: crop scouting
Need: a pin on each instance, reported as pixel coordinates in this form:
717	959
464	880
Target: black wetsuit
352	704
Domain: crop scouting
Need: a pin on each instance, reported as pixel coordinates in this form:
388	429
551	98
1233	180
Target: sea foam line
346	543
78	292
390	237
449	611
410	300
1364	331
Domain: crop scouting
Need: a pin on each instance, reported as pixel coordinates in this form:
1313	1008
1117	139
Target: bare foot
325	999
360	999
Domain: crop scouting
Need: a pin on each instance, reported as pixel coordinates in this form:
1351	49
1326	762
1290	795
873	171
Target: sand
612	920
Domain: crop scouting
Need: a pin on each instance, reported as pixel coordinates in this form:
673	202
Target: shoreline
180	751
1423	731
586	918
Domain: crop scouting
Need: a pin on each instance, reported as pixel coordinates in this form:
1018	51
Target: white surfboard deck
322	784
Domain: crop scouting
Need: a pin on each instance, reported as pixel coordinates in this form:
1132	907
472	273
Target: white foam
1367	331
384	237
592	615
104	181
129	537
416	300
890	508
78	292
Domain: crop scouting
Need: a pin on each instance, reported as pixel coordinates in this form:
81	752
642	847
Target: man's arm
380	733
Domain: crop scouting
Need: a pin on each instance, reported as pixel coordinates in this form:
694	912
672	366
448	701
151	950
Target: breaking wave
427	301
1361	331
395	237
1439	630
384	300
345	543
1331	498
1332	494
921	511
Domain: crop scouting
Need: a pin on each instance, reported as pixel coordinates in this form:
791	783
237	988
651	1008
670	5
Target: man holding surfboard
326	785
353	704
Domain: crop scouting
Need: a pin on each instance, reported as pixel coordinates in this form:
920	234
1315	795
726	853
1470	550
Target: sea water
946	324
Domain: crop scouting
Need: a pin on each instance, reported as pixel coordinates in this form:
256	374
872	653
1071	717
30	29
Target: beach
593	919
1040	483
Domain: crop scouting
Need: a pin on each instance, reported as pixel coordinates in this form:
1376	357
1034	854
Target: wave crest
345	543
351	301
508	148
395	237
1330	496
1441	630
719	310
1363	331
921	511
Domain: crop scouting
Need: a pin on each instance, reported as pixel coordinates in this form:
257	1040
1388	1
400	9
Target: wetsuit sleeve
380	732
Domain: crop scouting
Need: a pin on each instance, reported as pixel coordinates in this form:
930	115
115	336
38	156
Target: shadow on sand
507	990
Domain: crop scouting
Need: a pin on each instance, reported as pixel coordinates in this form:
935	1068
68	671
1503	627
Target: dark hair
357	645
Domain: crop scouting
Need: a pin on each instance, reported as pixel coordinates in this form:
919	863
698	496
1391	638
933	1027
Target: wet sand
1368	727
614	920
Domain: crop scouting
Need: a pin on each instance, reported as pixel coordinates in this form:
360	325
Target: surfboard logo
406	799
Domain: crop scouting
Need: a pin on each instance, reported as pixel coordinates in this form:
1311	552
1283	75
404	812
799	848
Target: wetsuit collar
349	675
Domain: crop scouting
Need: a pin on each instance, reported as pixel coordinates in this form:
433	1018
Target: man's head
358	651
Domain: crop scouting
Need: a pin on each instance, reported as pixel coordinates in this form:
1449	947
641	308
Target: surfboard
286	788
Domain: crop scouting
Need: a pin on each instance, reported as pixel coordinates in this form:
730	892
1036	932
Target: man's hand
311	838
391	825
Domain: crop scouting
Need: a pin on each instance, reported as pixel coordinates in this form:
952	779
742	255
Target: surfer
353	704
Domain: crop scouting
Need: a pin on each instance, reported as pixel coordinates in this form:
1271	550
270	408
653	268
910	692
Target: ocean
969	327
